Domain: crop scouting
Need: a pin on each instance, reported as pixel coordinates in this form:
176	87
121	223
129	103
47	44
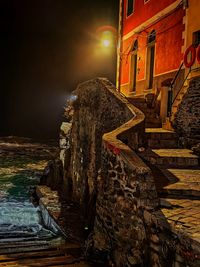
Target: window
130	7
134	65
151	57
152	37
196	38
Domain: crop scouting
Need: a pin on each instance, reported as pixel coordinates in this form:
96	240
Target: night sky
47	48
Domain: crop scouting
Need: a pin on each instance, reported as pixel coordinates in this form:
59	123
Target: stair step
153	125
57	252
46	261
162	143
161	138
170	157
160	133
31	254
184	183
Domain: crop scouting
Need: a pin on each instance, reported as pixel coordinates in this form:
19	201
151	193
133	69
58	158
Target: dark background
46	49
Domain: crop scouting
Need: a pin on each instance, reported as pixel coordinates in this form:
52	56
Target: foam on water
18	216
17	213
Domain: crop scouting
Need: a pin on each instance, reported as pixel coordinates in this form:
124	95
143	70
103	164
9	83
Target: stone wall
97	109
126	199
108	178
115	188
187	119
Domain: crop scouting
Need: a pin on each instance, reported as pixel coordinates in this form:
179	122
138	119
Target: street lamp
107	36
105	51
106	43
107	39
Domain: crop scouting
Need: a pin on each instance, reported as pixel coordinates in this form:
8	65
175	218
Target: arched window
150	58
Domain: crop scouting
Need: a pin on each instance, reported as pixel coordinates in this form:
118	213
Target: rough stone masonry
114	187
187	119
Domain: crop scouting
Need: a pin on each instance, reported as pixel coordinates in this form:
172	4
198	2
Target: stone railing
98	109
127	197
130	133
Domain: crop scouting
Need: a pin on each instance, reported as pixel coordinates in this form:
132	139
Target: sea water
19	217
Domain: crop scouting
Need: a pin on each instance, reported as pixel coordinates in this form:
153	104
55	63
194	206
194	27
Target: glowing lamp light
106	43
106	37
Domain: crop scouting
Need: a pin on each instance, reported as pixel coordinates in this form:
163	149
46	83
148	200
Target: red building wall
142	12
169	40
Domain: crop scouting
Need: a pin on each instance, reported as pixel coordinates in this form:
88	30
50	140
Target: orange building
153	37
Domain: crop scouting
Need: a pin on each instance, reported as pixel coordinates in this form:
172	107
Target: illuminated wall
166	18
192	25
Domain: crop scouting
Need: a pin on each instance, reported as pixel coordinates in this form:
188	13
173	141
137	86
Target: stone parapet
123	222
98	109
127	198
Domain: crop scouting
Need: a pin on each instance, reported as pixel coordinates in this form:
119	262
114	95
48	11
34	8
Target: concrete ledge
134	127
50	208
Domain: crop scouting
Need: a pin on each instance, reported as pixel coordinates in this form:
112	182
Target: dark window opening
151	69
134	64
134	71
151	50
152	37
196	38
135	45
130	7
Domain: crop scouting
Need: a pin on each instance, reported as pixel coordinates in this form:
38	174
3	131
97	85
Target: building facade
154	36
192	34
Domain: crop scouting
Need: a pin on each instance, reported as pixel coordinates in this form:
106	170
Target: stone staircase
176	173
152	118
55	252
160	138
170	164
177	177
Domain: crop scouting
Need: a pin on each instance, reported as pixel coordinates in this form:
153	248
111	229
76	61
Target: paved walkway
177	176
183	216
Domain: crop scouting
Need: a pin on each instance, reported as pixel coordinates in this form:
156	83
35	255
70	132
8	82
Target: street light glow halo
106	42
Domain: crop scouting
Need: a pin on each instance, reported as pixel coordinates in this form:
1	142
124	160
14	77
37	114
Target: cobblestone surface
184	216
185	181
177	177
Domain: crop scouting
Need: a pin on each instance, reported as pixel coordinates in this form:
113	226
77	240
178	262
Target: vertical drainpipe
119	45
